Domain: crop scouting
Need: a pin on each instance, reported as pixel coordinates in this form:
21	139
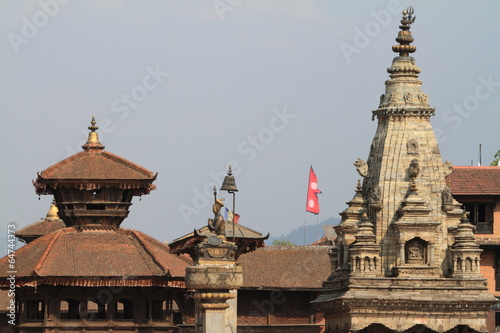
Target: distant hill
296	236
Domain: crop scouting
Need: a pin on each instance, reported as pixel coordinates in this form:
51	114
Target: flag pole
305	226
317	218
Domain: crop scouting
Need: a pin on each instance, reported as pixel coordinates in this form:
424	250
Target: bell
229	183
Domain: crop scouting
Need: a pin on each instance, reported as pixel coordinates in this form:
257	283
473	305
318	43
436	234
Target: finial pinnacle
359	188
465	216
404	36
52	213
93	127
93	139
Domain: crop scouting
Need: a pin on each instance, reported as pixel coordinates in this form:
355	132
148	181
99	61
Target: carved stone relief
415	251
409	97
412	147
361	167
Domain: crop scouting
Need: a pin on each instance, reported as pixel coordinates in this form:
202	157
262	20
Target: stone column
213	276
232	312
213	310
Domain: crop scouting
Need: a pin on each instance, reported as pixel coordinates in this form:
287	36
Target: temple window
124	309
96	310
70	309
166	310
481	215
96	206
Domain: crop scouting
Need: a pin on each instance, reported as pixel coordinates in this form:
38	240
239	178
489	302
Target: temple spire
403	92
93	139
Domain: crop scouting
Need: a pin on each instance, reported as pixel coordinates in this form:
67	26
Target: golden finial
93	127
52	213
404	36
93	140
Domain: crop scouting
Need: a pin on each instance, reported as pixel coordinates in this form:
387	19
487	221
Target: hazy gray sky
184	88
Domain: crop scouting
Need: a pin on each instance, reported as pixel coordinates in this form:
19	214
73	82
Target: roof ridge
128	163
148	249
45	254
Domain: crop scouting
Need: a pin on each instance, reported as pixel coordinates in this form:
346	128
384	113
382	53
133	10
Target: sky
185	88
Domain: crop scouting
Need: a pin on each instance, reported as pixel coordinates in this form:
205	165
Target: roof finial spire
93	140
404	36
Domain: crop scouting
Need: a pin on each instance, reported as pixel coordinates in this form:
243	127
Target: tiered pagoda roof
93	168
93	190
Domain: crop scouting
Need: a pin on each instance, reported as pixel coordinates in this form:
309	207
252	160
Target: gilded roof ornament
93	139
404	36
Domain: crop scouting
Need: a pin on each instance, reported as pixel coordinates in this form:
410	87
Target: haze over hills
313	232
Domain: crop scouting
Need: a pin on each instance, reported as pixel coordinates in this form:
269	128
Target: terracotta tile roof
475	180
295	267
40	228
68	256
97	168
96	165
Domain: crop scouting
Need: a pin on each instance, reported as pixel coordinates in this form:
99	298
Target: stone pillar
213	276
232	312
213	310
402	255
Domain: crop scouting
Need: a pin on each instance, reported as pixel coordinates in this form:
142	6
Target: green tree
496	159
283	242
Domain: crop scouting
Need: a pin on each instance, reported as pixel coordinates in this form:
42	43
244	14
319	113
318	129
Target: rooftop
294	267
474	180
45	226
94	168
99	257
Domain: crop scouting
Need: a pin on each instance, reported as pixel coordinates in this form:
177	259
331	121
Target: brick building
478	189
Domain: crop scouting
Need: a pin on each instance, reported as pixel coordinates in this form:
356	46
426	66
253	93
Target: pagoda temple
90	274
405	258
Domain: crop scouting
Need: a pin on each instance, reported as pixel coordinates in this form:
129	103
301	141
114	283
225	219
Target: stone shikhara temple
406	258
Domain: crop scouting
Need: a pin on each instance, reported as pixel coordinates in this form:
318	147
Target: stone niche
416	259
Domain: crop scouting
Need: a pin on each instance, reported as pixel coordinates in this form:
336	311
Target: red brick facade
478	188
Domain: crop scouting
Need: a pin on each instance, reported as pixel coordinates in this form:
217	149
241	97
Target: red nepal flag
312	204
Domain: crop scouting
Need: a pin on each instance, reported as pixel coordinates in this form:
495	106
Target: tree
283	242
496	159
